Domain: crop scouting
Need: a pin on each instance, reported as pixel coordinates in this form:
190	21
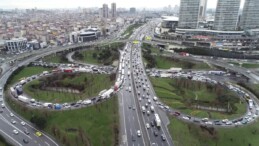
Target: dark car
133	138
26	132
155	133
25	140
152	123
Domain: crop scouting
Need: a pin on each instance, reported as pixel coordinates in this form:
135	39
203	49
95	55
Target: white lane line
11	137
35	129
125	129
12	125
47	143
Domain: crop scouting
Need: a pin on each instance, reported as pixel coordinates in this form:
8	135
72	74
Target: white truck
157	121
107	94
13	92
23	99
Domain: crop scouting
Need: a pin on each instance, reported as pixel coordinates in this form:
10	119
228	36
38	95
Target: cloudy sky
7	4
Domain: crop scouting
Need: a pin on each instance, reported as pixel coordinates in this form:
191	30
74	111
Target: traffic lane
131	103
151	95
42	140
132	124
164	118
21	129
148	118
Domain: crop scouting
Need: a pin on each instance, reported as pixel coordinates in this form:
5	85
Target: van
152	108
143	109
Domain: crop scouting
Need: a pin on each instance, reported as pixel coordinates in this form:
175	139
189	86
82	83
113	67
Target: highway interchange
132	117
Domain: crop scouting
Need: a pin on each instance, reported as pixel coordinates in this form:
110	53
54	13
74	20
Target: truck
101	93
23	99
13	92
117	85
107	94
157	121
86	102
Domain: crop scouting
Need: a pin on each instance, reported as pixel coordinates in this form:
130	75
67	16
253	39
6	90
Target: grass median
87	85
185	95
100	55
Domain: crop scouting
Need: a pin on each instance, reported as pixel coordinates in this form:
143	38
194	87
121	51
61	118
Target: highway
132	101
7	127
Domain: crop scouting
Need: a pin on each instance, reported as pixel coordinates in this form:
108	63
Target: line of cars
17	92
153	121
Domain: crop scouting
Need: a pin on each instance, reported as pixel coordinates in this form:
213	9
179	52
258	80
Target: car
129	107
38	133
25	140
1	111
3	106
147	125
148	113
13	121
23	123
155	133
133	138
26	132
138	133
15	132
152	123
133	107
163	137
11	114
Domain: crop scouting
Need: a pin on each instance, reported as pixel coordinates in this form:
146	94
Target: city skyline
49	4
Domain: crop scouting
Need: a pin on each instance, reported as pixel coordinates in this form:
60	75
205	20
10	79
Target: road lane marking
11	137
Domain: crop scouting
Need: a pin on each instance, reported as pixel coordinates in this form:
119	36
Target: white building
16	44
226	16
250	15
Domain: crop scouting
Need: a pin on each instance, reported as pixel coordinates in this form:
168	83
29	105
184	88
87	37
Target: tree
39	121
94	55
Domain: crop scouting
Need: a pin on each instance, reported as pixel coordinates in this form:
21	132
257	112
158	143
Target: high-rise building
203	8
226	16
250	15
113	10
189	13
105	11
132	10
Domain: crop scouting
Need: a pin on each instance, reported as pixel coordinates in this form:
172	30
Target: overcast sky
7	4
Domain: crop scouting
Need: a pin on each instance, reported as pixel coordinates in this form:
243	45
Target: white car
147	125
3	106
15	132
13	121
139	133
11	114
23	123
